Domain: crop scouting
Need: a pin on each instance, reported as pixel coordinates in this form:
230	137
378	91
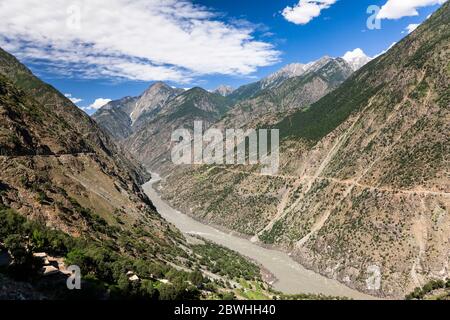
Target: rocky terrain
224	90
68	192
143	125
115	117
153	100
120	118
48	145
291	89
151	139
273	81
363	193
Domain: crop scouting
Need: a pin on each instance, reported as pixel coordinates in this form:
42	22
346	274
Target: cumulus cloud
140	40
98	103
411	27
396	9
354	54
73	99
356	58
306	10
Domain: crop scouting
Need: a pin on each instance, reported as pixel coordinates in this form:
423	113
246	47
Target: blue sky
275	42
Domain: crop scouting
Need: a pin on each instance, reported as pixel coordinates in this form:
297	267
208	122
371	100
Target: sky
95	53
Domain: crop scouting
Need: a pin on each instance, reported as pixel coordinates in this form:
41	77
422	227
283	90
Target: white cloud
356	58
396	9
139	40
411	27
72	98
355	54
306	10
98	103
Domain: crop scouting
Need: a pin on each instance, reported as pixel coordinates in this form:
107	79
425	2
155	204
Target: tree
167	292
228	296
24	264
123	284
196	278
148	290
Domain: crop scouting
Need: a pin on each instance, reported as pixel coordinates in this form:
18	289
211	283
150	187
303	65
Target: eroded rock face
151	140
290	90
143	125
120	116
58	166
153	99
224	91
291	71
115	117
362	195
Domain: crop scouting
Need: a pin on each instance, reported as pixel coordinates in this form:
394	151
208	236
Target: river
291	277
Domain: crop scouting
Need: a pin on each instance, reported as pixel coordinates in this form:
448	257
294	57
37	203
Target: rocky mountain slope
150	142
153	99
56	163
70	196
294	87
274	80
363	192
224	91
144	125
115	118
120	117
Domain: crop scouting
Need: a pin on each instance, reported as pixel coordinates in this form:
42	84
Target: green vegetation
421	91
353	95
225	262
329	112
245	92
104	267
21	238
270	237
198	96
253	291
422	293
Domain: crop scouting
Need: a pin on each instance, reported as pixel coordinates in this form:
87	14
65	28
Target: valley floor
291	277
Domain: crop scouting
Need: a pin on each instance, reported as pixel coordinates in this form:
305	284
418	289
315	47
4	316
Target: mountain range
144	124
69	195
363	187
362	195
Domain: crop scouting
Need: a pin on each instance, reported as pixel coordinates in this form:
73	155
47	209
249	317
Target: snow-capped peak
356	58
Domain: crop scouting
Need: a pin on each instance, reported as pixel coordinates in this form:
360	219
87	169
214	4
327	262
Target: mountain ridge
68	196
160	94
151	139
362	187
294	93
275	97
224	90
